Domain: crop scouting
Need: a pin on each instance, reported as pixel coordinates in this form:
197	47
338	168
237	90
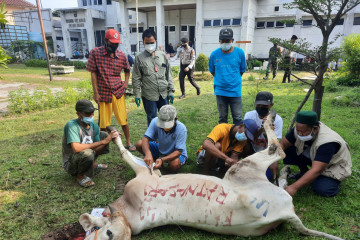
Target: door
166	37
192	36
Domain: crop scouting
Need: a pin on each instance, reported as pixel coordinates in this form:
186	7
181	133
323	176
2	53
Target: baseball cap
264	98
251	128
166	117
307	117
113	36
84	106
294	37
226	33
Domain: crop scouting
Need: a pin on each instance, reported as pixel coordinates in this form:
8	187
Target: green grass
37	196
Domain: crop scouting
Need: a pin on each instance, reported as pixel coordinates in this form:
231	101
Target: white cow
243	203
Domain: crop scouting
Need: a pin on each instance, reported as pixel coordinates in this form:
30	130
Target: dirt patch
66	233
55	77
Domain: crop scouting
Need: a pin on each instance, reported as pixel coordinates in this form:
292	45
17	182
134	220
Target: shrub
350	98
351	50
251	63
36	63
202	63
43	63
348	80
76	64
175	71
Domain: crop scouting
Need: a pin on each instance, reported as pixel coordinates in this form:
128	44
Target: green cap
307	117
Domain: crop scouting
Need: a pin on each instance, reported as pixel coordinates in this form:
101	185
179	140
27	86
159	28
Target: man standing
152	78
274	55
164	140
288	59
105	64
312	143
83	143
187	63
227	142
227	64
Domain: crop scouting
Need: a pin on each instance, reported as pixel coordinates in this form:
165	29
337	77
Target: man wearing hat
227	64
164	140
83	143
312	143
105	64
288	59
227	143
187	64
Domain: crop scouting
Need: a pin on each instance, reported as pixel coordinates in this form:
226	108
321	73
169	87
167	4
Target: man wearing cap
187	64
152	77
227	64
105	64
312	143
83	143
226	142
164	140
274	55
288	59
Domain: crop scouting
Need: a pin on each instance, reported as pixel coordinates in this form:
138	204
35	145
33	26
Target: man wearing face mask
164	141
288	60
105	64
152	77
226	143
82	143
312	143
227	64
187	63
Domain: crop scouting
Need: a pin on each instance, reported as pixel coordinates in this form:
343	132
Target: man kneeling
83	142
164	140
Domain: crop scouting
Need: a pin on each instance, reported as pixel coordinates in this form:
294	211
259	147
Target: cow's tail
296	222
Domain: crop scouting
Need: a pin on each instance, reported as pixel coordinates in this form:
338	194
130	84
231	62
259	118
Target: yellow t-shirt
221	134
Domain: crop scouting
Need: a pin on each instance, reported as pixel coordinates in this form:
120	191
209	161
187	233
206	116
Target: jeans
235	104
322	185
151	107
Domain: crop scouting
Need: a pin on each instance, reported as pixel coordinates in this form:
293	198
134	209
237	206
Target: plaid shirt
108	71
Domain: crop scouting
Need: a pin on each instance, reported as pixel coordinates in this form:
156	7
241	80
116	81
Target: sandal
86	182
131	148
101	166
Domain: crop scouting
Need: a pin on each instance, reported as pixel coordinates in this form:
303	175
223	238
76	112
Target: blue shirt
175	140
227	68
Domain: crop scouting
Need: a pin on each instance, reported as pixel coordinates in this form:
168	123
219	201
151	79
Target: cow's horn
112	209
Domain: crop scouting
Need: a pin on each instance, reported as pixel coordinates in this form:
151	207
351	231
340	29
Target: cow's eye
109	233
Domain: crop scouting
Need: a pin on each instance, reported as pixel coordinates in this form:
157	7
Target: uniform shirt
221	134
108	72
324	153
187	57
175	140
152	76
274	53
75	132
288	53
227	68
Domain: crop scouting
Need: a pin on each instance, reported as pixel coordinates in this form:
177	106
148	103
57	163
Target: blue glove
138	101
171	99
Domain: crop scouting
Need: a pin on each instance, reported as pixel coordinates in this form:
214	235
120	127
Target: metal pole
137	28
44	38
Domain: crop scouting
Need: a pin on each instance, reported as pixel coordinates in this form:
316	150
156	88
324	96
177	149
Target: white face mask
305	138
226	46
150	47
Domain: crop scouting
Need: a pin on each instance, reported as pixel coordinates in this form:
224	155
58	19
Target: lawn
37	196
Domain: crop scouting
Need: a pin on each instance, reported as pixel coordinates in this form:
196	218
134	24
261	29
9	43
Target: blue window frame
226	22
236	22
207	23
307	23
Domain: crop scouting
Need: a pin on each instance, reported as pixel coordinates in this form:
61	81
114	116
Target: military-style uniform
274	54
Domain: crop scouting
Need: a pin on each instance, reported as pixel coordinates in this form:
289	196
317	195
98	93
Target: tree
202	63
326	14
4	58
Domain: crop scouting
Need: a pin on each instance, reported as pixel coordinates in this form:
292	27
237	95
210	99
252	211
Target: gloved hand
171	99
138	101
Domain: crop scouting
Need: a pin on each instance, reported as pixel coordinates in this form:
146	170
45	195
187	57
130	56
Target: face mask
110	48
226	46
88	120
240	136
262	111
150	47
184	45
305	138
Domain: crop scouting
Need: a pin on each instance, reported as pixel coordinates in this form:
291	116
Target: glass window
172	29
84	2
130	16
108	2
289	24
270	24
307	23
279	24
276	9
152	28
216	22
207	23
99	2
95	2
356	20
236	22
141	29
226	22
184	28
260	25
340	22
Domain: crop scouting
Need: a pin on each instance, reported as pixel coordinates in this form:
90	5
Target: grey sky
56	3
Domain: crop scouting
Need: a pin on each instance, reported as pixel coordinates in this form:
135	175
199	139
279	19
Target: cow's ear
86	221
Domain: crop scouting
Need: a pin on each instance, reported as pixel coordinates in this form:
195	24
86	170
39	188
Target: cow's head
115	227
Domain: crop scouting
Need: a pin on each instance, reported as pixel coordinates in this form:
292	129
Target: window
226	22
270	24
108	2
356	20
59	38
141	29
99	2
90	3
171	28
133	30
95	2
207	23
276	9
260	25
74	39
152	28
75	14
184	28
340	22
236	22
84	2
130	16
289	24
307	23
280	24
216	23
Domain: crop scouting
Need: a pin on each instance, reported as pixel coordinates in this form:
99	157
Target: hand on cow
148	159
229	162
112	135
158	163
291	190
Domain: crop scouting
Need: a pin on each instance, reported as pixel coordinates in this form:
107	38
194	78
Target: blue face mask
240	136
88	120
226	46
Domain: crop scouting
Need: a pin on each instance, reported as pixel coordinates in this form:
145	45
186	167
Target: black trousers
190	75
287	73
